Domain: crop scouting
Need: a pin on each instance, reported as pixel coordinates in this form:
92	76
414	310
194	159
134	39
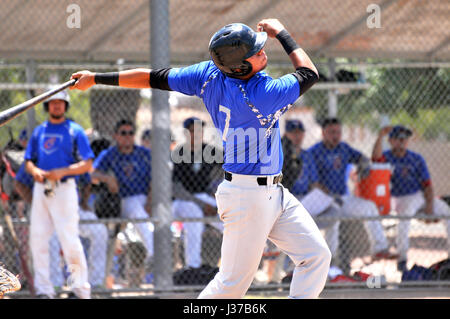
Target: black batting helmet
58	96
232	45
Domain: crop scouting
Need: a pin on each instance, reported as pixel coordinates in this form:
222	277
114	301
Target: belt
65	180
262	181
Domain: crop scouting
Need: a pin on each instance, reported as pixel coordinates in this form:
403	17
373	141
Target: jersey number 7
227	112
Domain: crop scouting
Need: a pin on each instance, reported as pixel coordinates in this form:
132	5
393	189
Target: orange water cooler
376	187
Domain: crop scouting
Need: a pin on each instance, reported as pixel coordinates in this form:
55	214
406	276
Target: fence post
30	72
332	93
161	169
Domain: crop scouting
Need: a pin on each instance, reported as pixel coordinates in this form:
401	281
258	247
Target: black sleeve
159	79
306	77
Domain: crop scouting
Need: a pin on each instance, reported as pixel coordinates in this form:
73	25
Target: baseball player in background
411	187
245	104
126	169
191	182
57	152
305	186
332	157
96	233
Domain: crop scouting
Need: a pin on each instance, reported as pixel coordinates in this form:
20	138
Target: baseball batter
57	152
245	104
411	186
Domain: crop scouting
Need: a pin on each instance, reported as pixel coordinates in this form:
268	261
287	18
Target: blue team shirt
53	146
332	165
307	176
410	172
133	171
246	149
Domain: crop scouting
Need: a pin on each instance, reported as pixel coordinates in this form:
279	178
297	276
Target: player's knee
195	210
323	254
368	208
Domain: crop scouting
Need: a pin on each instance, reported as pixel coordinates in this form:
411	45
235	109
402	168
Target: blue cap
147	134
189	121
294	124
400	131
23	135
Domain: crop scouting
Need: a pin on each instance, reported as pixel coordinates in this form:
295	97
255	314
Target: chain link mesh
371	76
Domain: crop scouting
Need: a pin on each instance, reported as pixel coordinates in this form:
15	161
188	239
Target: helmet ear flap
242	70
232	45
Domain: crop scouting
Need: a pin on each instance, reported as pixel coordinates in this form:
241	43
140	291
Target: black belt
262	181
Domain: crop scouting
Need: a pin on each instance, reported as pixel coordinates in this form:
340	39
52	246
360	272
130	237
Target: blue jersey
133	171
55	146
332	165
307	176
244	111
410	173
24	177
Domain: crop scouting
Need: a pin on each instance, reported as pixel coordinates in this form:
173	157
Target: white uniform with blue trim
247	113
50	147
409	178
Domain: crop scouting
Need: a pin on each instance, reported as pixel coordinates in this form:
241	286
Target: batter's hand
86	79
271	26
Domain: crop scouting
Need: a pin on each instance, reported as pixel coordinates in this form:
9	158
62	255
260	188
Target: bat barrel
15	111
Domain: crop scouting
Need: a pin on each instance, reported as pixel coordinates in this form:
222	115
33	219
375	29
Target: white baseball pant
97	234
409	205
57	213
193	231
356	206
133	207
353	206
252	214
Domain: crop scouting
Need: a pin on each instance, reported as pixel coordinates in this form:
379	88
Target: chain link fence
166	237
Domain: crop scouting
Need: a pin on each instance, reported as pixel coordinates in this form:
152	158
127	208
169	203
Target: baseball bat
13	112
